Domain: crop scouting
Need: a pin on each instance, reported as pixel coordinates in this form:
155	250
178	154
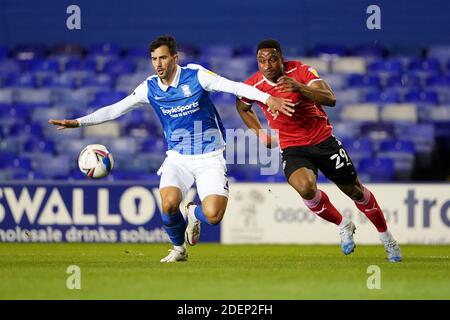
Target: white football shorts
208	170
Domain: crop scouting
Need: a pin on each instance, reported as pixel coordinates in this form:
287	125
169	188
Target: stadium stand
392	113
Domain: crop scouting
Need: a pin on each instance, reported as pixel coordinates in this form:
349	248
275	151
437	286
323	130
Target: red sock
369	206
322	206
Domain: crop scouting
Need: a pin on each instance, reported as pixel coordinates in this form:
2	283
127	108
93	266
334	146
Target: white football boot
391	247
176	254
193	225
347	229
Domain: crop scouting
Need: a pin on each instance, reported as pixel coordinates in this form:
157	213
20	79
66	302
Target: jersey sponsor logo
186	90
180	111
313	71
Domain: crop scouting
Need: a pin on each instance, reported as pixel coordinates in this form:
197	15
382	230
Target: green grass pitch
133	271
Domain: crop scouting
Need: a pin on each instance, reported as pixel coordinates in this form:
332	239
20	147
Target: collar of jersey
174	83
265	79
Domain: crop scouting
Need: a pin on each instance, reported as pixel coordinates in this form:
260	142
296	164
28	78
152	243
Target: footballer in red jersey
307	142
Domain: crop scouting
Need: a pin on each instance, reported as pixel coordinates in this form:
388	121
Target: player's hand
63	124
287	84
282	105
268	140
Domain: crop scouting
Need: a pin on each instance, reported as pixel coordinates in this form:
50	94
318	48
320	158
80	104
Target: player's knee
170	205
305	187
213	213
353	191
356	194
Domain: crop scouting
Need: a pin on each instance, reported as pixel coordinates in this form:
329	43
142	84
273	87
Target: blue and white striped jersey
190	120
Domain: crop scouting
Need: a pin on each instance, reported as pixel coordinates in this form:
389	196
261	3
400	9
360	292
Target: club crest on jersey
313	71
186	90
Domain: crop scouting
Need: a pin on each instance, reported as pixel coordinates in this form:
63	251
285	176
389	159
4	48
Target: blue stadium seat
422	97
24	80
119	67
104	98
429	65
34	145
386	96
376	169
63	81
402	152
358	81
422	134
29	175
6	156
100	80
368	51
438	81
77	64
35	97
6	95
441	52
54	166
104	49
138	52
377	131
152	145
9	66
67	50
438	114
28	130
389	67
358	148
410	81
19	163
344	130
45	65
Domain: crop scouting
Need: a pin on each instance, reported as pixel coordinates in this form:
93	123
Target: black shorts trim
329	156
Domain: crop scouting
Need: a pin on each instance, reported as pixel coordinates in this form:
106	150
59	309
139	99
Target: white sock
192	212
181	248
385	236
344	222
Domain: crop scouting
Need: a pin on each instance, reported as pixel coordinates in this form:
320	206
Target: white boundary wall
275	213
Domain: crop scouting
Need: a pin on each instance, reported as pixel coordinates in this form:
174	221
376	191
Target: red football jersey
309	124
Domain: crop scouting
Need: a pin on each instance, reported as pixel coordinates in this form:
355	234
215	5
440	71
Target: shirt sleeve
246	101
111	112
213	82
308	74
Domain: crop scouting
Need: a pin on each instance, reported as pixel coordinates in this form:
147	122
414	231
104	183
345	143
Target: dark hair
269	44
166	40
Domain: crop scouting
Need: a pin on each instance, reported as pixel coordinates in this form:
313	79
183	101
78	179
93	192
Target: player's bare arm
318	91
63	124
252	122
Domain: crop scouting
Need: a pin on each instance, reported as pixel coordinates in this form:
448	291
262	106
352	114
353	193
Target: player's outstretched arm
318	91
107	113
213	82
63	124
252	122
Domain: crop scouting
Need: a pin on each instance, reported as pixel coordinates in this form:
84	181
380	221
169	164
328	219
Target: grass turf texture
133	271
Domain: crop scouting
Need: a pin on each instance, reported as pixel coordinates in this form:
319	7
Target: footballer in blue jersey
195	137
